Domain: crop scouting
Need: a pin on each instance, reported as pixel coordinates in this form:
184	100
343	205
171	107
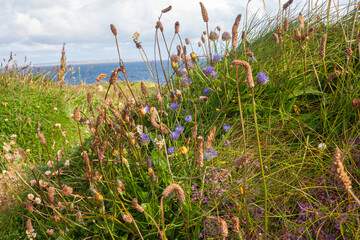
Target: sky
37	29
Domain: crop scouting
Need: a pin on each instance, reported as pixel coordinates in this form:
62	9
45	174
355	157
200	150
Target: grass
268	170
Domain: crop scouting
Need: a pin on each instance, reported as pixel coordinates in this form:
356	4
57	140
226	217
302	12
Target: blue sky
38	28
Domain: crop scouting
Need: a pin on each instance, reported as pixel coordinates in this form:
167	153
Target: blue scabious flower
179	129
217	58
174	106
174	135
206	91
226	127
188	118
146	108
209	71
144	137
262	78
188	80
252	59
191	65
171	150
210	153
182	71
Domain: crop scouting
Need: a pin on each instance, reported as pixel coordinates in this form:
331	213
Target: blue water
87	73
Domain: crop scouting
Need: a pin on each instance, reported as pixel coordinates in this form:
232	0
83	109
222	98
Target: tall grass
144	170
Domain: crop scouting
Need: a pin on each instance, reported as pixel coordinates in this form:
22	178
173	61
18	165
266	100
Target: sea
87	72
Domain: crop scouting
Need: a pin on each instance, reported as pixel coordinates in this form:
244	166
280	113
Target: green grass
291	189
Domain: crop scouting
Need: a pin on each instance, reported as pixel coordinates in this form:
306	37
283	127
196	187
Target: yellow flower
115	153
218	110
124	151
5	103
173	64
183	150
33	87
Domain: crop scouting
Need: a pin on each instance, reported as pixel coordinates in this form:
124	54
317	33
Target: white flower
67	163
37	200
47	173
86	131
6	119
50	231
33	182
38	106
66	141
14	136
64	133
30	196
55	173
322	146
50	163
6	147
99	88
58	125
59	153
55	108
12	143
27	151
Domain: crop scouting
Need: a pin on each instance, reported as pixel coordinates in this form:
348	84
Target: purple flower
171	150
209	71
188	80
188	118
174	106
182	71
210	153
144	137
206	91
217	58
174	135
262	78
226	127
227	143
252	59
146	108
179	129
190	64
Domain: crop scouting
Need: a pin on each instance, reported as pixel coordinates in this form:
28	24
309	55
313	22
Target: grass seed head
276	37
101	77
323	45
355	103
213	36
177	27
76	115
349	52
204	12
210	138
287	4
226	36
340	172
137	206
200	152
178	189
297	35
143	88
235	30
165	10
235	224
51	194
42	138
286	24
333	76
127	218
223	228
248	71
113	29
301	21
187	41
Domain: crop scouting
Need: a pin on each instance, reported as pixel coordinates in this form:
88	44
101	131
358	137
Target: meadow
255	135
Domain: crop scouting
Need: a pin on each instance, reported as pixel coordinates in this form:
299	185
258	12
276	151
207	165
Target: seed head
243	159
355	103
276	37
323	45
113	29
235	224
333	76
127	218
200	152
340	172
177	26
143	88
213	36
51	194
223	228
235	30
76	115
248	71
137	206
286	24
226	36
204	12
187	41
249	53
178	189
287	4
349	52
67	190
301	21
42	138
165	10
297	35
210	138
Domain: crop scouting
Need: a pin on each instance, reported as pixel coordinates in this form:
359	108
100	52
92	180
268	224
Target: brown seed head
153	120
177	27
187	41
67	190
340	172
199	44
102	151
42	138
223	228
137	206
51	194
203	99
158	98
204	12
323	45
213	36
287	4
127	218
210	138
76	115
248	71
113	29
286	24
178	189
202	39
333	76
143	88
235	30
226	36
88	97
165	10
297	35
279	30
218	28
159	25
243	35
355	103
22	153
235	224
194	132
114	75
243	159
276	37
100	77
29	226
301	21
349	52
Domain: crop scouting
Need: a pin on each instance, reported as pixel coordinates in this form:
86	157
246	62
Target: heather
253	136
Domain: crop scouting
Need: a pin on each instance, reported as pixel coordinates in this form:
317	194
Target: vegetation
259	142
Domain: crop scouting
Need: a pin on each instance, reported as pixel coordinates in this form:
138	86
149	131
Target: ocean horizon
86	72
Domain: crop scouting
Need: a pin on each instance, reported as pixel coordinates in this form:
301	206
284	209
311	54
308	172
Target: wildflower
179	129
188	118
55	109
183	150
206	91
226	127
6	119
182	71
217	58
262	78
171	150
144	139
50	232
64	133
7	147
146	108
33	182
27	150
226	36
187	80
37	200
50	164
322	146
209	71
227	143
174	106
99	88
58	125
12	143
190	65
252	59
14	136
30	196
174	135
47	173
210	153
5	103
